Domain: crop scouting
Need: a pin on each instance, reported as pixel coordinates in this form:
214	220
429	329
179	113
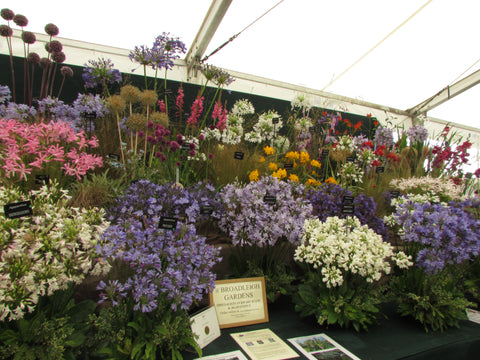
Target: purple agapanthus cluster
384	136
144	199
250	219
417	134
54	108
168	267
17	111
162	54
101	73
86	104
328	201
439	235
167	264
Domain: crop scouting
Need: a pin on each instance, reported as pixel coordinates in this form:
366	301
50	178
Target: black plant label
238	155
167	223
42	179
270	199
18	209
206	210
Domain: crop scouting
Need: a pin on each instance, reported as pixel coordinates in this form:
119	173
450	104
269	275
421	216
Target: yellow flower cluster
315	163
292	155
293	177
268	150
280	174
304	158
253	176
273	166
312	182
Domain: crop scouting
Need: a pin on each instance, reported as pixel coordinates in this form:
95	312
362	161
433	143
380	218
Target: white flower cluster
345	143
47	252
303	124
233	132
302	101
281	144
429	186
243	107
265	129
350	172
336	247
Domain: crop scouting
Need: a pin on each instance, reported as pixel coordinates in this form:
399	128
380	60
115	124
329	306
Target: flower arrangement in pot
343	262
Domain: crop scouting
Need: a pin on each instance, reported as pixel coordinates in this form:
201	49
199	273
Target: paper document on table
264	345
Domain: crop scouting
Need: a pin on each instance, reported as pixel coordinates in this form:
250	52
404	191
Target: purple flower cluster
86	104
328	200
5	94
171	265
144	199
417	133
251	220
100	72
438	235
384	136
164	51
17	111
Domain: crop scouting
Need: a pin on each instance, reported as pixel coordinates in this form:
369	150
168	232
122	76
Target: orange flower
253	176
273	166
315	163
292	155
268	150
331	180
293	178
304	158
312	182
358	125
262	159
280	174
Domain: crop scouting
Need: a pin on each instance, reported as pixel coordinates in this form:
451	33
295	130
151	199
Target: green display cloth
393	338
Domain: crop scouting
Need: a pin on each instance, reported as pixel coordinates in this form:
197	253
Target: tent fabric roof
303	44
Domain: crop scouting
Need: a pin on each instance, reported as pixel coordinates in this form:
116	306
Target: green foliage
270	262
350	304
57	329
436	301
121	333
97	190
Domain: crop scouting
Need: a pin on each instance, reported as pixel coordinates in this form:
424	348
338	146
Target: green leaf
137	348
150	350
76	339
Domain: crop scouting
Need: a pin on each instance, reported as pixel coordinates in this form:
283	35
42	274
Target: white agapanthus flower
429	185
303	124
243	107
302	101
281	144
339	246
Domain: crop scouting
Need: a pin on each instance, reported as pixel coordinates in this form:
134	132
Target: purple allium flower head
53	46
45	63
20	20
33	58
51	29
66	71
5	30
28	37
58	57
7	14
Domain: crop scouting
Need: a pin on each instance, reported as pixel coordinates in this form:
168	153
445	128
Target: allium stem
119	137
12	71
